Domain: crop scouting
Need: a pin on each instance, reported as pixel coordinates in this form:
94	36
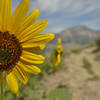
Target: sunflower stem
2	88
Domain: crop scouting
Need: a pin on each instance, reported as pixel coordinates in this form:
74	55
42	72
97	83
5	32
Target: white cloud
46	5
55	29
73	7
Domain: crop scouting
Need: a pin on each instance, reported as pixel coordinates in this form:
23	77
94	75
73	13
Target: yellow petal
33	45
41	39
59	41
21	74
29	20
5	14
30	68
20	13
58	60
32	58
1	75
12	82
30	45
59	49
32	48
32	31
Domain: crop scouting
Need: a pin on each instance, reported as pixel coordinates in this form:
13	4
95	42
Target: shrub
87	65
59	94
97	41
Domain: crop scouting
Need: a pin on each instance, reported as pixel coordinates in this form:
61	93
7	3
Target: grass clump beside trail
87	65
97	58
58	94
77	50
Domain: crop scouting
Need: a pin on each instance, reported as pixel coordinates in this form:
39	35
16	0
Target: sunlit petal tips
20	41
42	38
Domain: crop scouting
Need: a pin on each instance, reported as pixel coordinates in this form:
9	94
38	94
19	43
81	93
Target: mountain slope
77	35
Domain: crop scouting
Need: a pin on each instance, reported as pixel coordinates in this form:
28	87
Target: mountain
77	35
73	37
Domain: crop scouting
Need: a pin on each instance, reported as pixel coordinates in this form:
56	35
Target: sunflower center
10	51
5	55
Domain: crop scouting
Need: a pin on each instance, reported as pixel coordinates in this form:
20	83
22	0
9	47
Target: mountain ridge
77	35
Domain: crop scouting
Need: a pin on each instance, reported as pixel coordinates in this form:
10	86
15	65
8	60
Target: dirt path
76	79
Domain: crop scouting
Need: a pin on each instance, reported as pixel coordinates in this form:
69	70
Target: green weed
87	65
59	94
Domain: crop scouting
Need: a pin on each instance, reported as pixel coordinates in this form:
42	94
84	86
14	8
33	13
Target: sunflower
57	53
19	42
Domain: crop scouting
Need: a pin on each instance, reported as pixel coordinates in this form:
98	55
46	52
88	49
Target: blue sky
63	14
